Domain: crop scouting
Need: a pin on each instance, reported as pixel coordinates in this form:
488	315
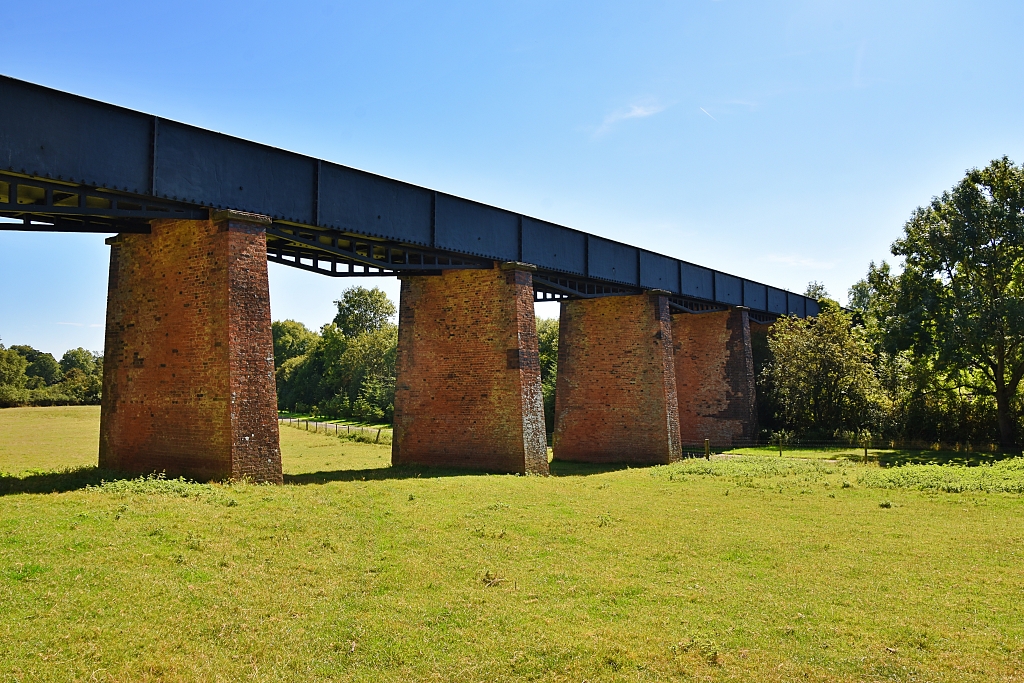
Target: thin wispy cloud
633	111
708	113
749	104
800	261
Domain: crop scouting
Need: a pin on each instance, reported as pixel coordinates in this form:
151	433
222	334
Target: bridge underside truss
337	254
46	206
33	204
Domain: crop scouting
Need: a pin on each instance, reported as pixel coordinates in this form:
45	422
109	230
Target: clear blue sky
784	141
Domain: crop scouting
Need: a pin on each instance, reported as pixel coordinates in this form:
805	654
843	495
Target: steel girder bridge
72	164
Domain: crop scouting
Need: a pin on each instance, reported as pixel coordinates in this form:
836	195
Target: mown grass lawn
887	457
47	438
752	569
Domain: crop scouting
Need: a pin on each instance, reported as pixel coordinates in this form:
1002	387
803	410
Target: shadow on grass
379	474
562	468
61	481
925	457
885	457
558	469
58	481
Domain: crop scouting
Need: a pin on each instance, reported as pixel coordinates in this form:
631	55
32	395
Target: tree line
931	351
347	368
30	377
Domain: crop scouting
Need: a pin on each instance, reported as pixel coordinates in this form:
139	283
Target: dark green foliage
348	369
12	368
80	359
961	293
363	310
944	337
291	340
821	374
949	328
12	378
43	369
31	377
547	343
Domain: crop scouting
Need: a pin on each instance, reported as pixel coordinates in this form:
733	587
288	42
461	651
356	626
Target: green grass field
48	438
888	457
746	569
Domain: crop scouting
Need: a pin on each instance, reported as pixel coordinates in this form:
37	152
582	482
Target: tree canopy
363	310
959	300
821	373
291	339
32	377
348	368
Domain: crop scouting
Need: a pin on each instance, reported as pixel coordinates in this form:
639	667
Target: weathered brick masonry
188	375
615	398
468	373
715	377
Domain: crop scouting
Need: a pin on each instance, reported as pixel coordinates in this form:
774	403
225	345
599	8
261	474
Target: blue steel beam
72	140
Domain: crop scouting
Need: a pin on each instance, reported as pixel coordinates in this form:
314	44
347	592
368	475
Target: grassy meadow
48	438
754	568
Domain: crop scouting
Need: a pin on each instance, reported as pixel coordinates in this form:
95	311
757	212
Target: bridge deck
75	164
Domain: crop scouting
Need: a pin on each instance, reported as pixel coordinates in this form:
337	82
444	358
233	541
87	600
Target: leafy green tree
12	368
79	387
816	290
43	369
547	344
363	310
927	403
348	369
12	378
371	354
80	359
291	339
821	373
960	297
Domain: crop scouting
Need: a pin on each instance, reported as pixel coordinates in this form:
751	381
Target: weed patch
160	485
1004	476
806	475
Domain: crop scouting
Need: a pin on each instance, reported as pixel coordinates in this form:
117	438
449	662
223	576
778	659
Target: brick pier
188	373
468	375
715	377
615	398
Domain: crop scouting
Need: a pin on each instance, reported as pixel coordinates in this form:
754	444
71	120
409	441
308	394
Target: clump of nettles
1004	476
160	485
750	470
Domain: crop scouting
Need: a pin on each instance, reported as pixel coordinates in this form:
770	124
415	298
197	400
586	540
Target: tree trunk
1004	415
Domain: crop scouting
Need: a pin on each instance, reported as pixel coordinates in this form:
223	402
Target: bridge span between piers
653	350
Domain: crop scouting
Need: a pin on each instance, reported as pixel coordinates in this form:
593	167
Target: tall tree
81	359
363	310
961	293
547	343
820	373
12	368
42	367
291	339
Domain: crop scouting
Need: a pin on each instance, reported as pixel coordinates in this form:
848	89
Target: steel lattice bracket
42	205
681	304
344	255
551	287
762	318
